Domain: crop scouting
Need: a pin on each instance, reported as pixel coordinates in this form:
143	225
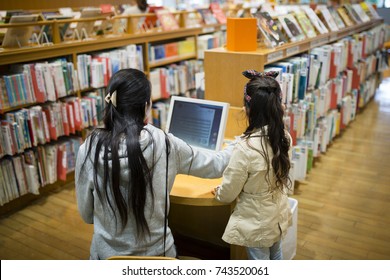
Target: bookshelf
315	119
223	68
71	51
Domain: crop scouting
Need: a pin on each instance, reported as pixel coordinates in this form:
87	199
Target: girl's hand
214	191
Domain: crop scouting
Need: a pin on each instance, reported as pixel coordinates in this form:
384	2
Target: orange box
241	34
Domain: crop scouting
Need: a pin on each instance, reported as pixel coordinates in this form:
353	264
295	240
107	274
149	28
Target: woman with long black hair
126	169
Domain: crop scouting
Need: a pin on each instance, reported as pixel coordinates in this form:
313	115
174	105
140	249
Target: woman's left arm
84	185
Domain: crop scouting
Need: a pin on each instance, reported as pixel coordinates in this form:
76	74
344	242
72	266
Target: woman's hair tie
111	97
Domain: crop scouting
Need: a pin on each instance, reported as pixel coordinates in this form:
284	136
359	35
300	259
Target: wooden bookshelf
223	68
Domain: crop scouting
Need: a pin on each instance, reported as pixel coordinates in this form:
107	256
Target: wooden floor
343	210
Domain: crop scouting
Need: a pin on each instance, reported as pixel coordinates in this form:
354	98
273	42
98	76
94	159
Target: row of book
319	112
175	49
38	125
210	41
37	83
175	79
296	23
95	70
35	168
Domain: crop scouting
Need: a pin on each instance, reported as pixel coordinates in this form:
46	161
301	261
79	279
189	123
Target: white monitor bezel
224	115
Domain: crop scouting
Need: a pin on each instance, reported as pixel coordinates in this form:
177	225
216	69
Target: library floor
343	211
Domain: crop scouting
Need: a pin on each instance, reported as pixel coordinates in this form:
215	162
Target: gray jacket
107	241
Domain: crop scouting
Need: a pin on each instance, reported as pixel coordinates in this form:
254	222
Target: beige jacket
259	218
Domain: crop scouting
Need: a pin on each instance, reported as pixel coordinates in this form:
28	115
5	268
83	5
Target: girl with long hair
258	173
126	169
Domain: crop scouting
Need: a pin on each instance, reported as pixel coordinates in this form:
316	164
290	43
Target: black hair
123	124
142	5
263	105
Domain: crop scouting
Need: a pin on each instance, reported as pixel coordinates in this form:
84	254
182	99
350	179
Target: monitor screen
200	123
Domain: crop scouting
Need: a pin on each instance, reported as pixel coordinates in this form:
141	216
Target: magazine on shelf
19	36
337	18
291	27
327	18
315	20
352	13
208	17
268	27
360	12
370	10
218	13
306	25
344	16
167	20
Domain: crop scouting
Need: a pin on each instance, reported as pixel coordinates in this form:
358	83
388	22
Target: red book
51	122
70	115
78	121
40	95
218	13
65	120
355	78
333	66
61	162
333	96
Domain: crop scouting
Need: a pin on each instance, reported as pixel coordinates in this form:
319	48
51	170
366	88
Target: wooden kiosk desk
195	213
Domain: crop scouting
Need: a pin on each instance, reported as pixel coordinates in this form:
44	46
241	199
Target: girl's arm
234	177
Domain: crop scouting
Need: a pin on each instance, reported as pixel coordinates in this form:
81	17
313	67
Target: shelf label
292	50
208	29
318	42
274	56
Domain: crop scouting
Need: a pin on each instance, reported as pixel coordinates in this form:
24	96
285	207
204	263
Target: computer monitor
200	123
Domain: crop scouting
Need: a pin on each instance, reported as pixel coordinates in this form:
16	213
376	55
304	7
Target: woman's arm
200	163
84	185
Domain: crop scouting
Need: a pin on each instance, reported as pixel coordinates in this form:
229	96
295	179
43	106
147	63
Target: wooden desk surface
190	190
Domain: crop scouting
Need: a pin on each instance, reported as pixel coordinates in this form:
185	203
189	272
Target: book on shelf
218	13
167	20
342	11
207	16
17	37
370	10
352	13
315	20
291	27
326	17
269	29
306	25
360	12
339	22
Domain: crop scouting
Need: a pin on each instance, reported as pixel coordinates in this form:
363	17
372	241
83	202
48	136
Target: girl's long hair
123	124
264	108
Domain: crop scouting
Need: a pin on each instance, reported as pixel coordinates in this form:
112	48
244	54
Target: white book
49	83
318	24
58	78
330	22
32	179
154	77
